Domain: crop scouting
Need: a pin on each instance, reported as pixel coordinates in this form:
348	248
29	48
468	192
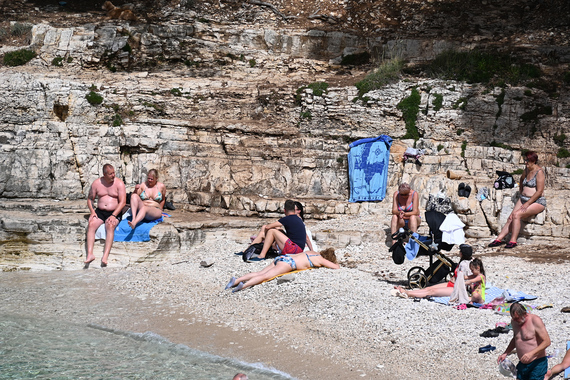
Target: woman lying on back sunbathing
475	282
284	264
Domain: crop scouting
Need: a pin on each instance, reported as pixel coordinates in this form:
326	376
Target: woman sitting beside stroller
475	281
405	209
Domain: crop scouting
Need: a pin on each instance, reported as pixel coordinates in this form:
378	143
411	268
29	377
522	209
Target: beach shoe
486	348
495	243
257	258
467	191
461	189
231	283
489	334
511	244
238	288
565	309
460	307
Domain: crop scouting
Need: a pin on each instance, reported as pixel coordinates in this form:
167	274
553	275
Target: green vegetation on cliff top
478	66
388	72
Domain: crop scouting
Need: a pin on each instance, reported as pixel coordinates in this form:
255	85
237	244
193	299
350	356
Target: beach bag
398	252
505	180
439	202
254	249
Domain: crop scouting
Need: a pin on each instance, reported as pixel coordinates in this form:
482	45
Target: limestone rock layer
222	111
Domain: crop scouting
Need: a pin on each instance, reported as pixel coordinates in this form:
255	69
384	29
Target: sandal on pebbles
495	243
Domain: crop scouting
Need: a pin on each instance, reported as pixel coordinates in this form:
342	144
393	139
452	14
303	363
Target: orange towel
282	274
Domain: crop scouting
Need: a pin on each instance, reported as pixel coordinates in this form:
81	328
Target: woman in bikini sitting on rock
530	203
405	209
284	264
147	202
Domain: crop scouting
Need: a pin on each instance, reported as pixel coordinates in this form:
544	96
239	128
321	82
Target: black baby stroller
440	268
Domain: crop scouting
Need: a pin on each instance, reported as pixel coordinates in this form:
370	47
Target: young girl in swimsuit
284	264
531	201
476	282
405	209
148	199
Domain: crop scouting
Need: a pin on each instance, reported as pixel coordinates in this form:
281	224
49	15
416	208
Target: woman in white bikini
405	209
148	199
531	201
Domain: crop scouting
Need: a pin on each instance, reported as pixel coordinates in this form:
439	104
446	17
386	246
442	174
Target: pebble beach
331	324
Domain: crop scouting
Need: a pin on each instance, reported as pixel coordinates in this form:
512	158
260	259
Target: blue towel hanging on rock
368	168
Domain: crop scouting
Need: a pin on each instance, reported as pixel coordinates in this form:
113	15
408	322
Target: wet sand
82	297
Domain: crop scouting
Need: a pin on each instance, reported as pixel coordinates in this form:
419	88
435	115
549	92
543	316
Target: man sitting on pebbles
293	242
284	264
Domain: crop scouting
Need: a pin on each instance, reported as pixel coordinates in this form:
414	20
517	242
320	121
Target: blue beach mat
491	293
124	232
368	161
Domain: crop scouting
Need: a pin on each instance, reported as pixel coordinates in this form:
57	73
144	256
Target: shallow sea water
41	348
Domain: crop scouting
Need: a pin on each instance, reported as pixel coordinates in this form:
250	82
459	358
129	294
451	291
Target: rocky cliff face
211	100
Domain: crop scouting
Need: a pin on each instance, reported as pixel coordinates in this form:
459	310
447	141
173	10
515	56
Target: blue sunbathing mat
490	294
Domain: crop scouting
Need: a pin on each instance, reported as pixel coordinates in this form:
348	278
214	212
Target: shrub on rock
19	57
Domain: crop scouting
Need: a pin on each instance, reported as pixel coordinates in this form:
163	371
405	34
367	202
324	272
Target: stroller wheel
417	278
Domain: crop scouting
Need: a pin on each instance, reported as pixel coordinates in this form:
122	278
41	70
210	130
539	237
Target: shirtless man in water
111	198
530	339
